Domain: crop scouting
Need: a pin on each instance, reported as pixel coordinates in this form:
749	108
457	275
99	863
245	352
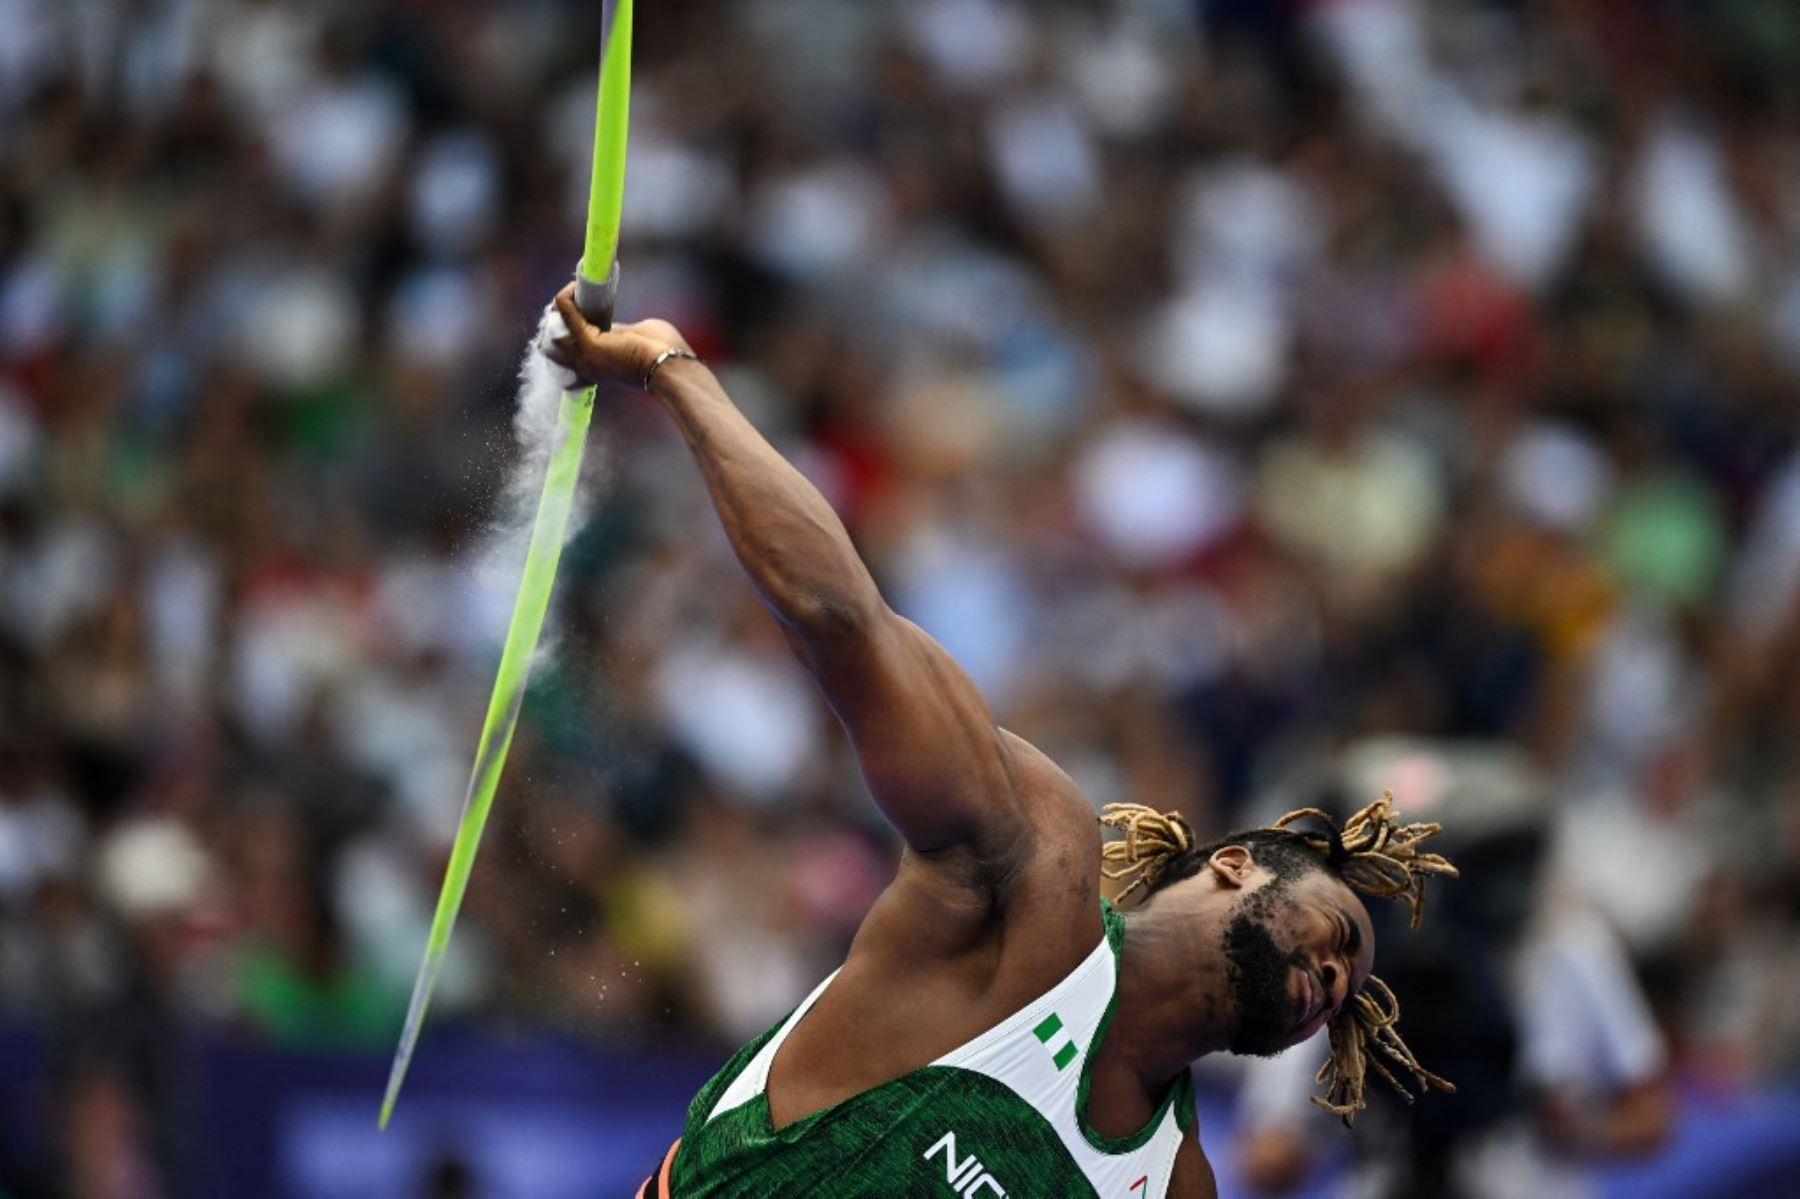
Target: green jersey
1004	1114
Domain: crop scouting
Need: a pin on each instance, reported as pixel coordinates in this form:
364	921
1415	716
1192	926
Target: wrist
659	367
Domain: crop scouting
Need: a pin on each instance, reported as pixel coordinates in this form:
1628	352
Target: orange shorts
657	1185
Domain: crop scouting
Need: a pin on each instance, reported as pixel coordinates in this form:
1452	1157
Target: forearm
932	756
793	546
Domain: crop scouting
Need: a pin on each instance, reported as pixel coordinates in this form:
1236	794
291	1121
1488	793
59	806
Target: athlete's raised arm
929	749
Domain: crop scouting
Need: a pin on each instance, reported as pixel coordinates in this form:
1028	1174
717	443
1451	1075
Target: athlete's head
1296	941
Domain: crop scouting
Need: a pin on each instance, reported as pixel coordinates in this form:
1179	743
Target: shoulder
1052	846
1035	893
1057	811
1055	873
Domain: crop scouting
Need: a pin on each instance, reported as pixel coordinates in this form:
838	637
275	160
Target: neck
1170	998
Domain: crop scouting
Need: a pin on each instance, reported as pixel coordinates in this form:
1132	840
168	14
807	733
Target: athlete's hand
621	355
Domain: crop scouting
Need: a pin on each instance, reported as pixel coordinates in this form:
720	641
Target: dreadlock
1372	853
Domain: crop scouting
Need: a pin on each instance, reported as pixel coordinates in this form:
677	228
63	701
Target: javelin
597	284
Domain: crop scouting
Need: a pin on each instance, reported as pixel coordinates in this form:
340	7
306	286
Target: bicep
930	752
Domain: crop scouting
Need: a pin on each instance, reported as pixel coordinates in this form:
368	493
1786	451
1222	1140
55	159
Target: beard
1256	971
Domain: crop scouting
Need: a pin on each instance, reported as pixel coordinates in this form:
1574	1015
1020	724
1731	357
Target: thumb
571	313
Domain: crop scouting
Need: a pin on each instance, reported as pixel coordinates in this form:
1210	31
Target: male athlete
997	1029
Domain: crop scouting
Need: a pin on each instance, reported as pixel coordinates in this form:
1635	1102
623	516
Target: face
1296	950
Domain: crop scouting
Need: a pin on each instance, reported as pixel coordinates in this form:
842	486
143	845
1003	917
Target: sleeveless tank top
1003	1114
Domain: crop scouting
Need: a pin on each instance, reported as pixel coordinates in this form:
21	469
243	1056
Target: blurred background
1266	400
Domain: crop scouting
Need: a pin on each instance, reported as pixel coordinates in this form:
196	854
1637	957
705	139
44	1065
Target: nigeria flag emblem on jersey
1050	1034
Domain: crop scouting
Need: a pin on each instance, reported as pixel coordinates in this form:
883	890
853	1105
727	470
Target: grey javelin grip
596	299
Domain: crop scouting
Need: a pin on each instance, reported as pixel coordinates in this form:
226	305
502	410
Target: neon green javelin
606	192
601	248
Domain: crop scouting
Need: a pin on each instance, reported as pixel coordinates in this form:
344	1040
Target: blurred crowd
1223	382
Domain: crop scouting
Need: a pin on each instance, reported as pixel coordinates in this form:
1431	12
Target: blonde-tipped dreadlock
1153	840
1374	854
1379	856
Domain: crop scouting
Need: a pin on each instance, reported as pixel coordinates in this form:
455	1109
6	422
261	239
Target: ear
1232	865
